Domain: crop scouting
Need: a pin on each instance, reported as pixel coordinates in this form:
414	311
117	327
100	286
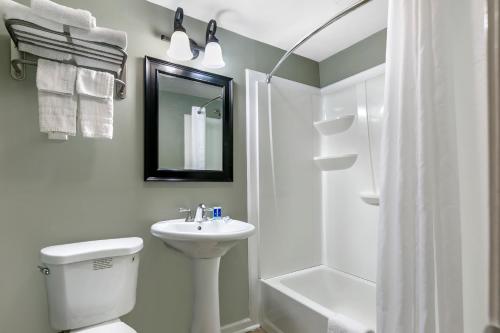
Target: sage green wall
84	189
361	56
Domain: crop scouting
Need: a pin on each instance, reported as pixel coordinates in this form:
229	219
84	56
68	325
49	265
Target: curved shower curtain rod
210	101
309	36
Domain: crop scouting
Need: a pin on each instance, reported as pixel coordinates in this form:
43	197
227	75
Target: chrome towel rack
41	37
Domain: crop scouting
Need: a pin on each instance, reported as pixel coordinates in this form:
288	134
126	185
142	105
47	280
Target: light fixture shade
213	56
180	48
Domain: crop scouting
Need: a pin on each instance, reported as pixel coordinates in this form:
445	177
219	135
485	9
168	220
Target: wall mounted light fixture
213	51
180	48
183	48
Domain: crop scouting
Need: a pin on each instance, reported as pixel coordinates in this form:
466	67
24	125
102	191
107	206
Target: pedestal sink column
206	317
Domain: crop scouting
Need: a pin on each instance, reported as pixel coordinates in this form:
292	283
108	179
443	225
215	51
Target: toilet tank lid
76	252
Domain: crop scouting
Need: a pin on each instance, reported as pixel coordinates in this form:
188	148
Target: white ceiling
282	23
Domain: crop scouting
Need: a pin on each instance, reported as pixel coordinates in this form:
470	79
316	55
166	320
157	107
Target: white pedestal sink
205	243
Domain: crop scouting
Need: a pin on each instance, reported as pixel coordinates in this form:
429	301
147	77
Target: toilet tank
91	282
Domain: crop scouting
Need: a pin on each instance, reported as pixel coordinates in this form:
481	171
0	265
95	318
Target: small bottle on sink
217	213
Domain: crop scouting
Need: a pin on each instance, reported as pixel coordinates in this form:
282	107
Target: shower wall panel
350	224
289	191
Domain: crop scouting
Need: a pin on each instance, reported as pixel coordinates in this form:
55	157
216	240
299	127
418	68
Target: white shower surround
303	238
472	138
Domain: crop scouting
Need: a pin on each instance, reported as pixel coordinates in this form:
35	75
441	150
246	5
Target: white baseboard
270	328
242	326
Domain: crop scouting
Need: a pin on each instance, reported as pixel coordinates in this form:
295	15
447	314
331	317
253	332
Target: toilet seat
115	326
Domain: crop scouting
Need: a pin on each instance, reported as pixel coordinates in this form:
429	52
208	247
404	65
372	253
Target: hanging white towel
342	324
56	99
198	138
96	117
55	77
95	92
65	15
94	84
57	115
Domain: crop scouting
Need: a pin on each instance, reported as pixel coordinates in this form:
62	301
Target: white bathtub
302	302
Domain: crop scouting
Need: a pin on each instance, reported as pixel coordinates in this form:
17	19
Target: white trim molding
242	326
253	79
494	158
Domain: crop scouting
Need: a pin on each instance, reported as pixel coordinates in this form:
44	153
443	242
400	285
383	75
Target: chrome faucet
201	213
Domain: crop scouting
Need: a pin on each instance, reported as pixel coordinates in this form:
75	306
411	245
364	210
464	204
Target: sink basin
202	240
205	243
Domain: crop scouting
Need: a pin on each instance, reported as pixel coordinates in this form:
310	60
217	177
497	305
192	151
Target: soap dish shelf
334	126
335	162
19	59
370	198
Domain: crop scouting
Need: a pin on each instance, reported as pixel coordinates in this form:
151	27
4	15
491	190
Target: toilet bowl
90	285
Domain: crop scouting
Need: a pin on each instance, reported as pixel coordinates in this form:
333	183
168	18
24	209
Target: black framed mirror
188	125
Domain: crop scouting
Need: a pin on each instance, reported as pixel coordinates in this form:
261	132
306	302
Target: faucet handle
207	210
189	215
201	212
205	213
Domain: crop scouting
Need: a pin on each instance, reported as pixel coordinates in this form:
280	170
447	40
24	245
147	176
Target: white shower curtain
419	282
195	139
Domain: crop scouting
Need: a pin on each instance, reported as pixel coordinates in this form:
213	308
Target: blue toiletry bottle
217	213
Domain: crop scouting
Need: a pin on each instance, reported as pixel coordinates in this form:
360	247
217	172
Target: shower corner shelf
370	198
334	126
335	162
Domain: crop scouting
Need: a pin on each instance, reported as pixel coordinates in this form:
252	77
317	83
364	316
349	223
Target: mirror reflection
189	124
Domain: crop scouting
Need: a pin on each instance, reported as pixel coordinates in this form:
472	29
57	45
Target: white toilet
90	285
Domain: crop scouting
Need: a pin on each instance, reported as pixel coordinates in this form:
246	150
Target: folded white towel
342	324
57	102
95	92
43	52
30	35
54	54
55	77
73	17
103	35
14	10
